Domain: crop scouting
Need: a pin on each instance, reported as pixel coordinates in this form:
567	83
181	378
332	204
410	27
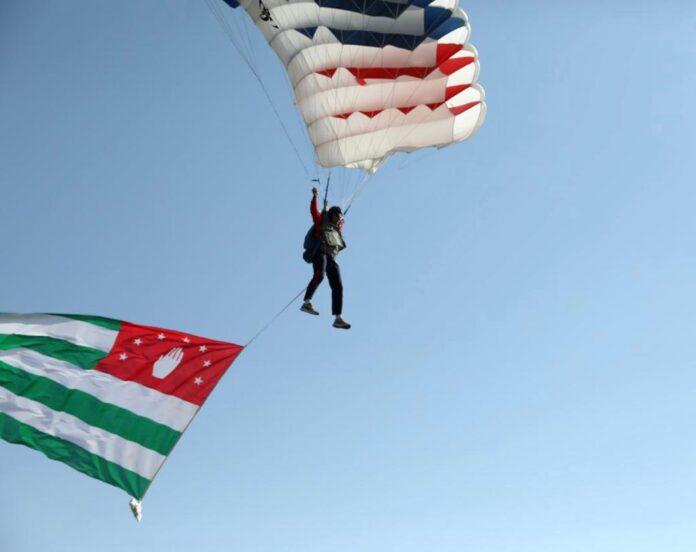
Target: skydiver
323	243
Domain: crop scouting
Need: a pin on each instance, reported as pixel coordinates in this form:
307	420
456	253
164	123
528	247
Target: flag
106	397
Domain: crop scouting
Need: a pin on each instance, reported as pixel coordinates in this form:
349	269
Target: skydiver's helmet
335	213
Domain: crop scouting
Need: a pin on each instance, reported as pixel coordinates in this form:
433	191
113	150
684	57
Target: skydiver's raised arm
313	209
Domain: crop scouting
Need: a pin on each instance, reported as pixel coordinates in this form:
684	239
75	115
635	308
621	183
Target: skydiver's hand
315	192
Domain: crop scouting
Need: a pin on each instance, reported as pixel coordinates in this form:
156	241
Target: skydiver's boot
340	323
308	308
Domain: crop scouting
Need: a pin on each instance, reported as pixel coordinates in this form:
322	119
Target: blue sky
521	371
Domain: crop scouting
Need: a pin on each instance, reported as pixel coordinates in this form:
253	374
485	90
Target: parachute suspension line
282	124
358	190
298	117
229	32
230	36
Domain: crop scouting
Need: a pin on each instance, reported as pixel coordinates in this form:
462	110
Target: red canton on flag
171	362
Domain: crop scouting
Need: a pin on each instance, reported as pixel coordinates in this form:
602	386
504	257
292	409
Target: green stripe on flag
78	355
111	418
108	323
76	457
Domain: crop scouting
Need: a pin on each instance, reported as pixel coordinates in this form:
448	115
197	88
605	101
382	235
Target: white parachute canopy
378	77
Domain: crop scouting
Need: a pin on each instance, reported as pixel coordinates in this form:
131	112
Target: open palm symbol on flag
166	364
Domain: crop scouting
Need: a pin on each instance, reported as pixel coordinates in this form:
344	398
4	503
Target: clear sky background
521	372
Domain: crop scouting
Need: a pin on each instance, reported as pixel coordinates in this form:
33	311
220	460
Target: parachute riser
326	192
326	189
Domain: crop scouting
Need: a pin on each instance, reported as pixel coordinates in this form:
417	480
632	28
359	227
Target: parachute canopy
375	77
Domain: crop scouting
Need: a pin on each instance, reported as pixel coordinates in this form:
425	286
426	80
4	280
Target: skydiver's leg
333	272
319	264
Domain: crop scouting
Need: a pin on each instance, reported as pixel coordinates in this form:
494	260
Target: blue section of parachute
432	16
379	8
437	25
374	8
437	22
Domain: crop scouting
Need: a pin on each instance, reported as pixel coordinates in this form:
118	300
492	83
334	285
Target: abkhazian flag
106	397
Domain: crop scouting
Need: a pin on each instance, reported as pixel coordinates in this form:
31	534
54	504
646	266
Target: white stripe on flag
160	407
126	454
59	327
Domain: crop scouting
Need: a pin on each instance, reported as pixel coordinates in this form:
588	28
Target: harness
332	240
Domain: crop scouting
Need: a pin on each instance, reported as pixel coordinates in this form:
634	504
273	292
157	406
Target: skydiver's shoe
341	324
308	308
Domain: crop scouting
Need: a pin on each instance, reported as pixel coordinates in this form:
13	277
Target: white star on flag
202	348
161	336
123	356
198	381
187	340
206	363
138	341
